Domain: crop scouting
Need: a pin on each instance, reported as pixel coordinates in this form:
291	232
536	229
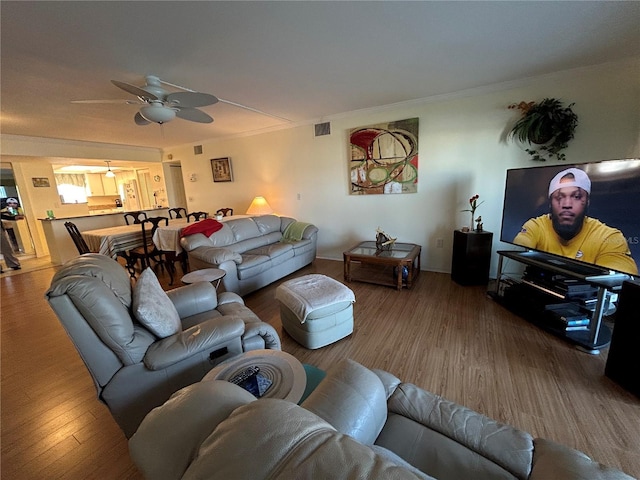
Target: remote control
244	375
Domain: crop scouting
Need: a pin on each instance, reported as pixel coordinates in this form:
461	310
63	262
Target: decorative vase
473	221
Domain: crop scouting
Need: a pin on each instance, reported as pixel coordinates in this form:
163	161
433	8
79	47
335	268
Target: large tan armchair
141	344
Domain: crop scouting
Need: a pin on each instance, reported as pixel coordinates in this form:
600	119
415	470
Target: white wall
463	151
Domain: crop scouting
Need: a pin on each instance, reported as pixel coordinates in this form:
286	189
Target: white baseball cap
580	179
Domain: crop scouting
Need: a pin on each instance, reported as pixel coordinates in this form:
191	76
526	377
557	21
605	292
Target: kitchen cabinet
109	184
100	185
94	184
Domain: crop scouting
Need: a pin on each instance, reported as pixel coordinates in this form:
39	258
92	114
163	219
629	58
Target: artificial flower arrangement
473	206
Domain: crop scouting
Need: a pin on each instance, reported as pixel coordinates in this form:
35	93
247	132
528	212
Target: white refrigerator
130	195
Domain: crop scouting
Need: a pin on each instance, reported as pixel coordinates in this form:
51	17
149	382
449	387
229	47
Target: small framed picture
40	181
221	168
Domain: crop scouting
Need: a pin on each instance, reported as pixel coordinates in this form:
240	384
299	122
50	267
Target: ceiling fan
160	105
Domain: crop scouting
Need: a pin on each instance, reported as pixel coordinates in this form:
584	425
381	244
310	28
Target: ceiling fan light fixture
157	113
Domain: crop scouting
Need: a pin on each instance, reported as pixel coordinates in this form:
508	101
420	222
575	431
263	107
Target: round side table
205	275
288	376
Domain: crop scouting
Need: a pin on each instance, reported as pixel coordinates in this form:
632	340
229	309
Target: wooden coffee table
286	373
383	267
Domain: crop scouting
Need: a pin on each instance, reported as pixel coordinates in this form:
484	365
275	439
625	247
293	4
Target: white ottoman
316	310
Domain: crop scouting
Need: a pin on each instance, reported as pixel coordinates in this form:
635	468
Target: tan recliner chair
357	424
136	367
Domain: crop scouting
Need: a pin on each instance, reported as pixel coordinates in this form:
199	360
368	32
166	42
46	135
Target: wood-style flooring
446	338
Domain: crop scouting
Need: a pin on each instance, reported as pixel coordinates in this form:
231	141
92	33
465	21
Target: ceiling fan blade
133	90
140	120
193	115
253	109
120	102
191	99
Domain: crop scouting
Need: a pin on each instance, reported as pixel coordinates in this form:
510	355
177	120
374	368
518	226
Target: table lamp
259	206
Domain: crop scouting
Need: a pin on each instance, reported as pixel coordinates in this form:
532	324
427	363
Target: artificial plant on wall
546	126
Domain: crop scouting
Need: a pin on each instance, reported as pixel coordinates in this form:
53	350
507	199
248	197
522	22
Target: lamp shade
259	206
109	172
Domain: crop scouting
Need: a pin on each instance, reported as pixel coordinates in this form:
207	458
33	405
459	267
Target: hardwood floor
446	338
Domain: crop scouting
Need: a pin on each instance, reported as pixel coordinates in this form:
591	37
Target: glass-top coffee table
397	267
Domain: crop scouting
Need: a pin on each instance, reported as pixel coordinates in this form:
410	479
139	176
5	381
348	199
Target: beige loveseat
357	424
254	251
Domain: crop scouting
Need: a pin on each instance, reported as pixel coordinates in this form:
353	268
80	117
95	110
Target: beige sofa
357	424
254	251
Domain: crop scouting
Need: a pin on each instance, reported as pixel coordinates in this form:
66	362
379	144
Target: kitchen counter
61	247
162	211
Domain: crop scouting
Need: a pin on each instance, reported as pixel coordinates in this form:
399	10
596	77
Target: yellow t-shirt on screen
595	243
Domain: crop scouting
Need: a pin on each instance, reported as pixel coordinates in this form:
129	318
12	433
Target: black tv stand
531	295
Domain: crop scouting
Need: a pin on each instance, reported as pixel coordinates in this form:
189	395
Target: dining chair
135	217
76	236
179	212
197	216
226	212
148	252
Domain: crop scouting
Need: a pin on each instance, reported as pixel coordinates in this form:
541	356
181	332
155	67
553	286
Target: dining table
118	241
114	241
167	238
111	241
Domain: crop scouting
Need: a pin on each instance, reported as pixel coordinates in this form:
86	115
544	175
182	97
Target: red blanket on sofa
206	226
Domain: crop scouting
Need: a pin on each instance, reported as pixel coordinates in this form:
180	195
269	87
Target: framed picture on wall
221	168
40	181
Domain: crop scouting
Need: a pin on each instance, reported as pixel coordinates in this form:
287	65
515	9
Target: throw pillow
153	308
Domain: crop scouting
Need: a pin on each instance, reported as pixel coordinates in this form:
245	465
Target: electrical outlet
298	196
439	243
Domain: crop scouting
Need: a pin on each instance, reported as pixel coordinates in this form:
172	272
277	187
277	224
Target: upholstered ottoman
316	310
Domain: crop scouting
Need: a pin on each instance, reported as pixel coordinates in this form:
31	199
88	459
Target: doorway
177	186
18	230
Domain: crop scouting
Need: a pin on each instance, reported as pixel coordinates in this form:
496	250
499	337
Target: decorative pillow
153	308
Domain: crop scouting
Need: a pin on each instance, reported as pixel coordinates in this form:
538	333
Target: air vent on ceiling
323	129
197	150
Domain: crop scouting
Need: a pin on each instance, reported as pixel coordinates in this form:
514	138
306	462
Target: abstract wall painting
384	158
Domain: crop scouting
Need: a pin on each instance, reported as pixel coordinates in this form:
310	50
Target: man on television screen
569	232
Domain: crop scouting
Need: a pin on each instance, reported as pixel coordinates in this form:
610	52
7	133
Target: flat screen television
614	199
